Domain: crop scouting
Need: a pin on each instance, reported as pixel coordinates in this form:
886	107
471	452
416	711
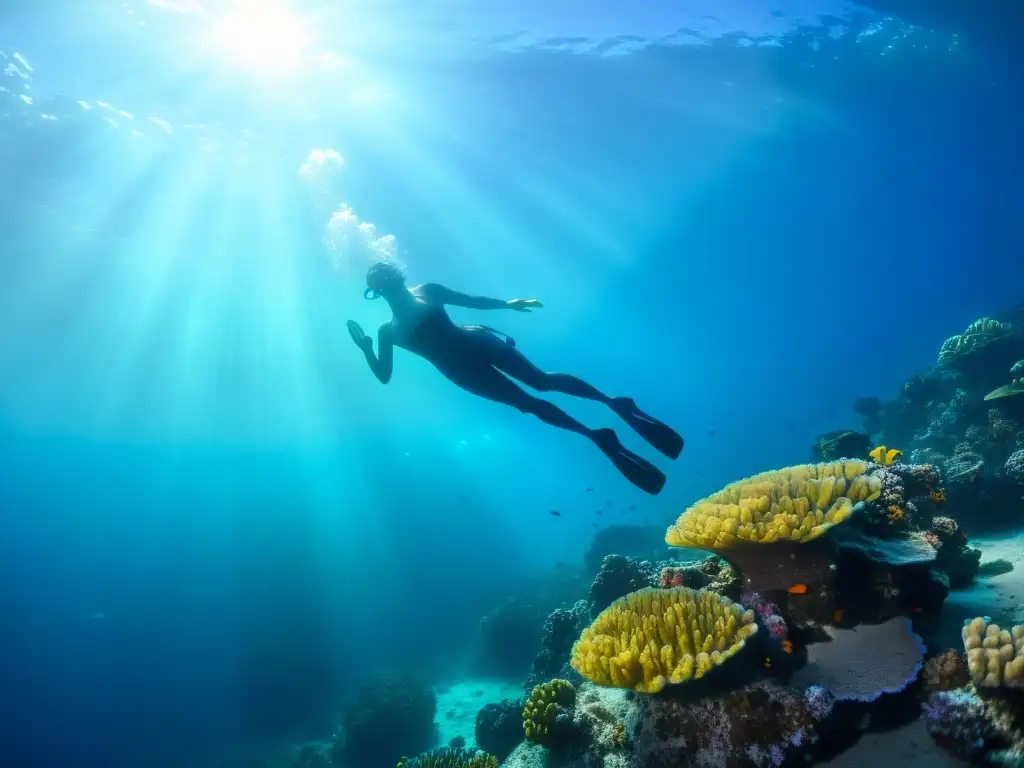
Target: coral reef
617	577
995	657
654	637
561	629
763	724
958	560
450	757
389	716
637	541
945	672
963	725
499	727
548	706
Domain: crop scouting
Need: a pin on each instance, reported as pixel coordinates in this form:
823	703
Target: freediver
480	360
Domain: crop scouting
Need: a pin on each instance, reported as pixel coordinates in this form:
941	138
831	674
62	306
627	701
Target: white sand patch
1000	597
457	706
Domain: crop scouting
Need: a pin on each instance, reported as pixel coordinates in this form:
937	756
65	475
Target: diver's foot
661	436
637	470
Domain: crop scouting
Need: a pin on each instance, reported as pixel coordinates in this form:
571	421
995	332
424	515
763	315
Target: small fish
798	589
632	507
883	455
837	616
767	662
555	512
463	498
608	503
598	512
787	646
595	525
588	490
711	432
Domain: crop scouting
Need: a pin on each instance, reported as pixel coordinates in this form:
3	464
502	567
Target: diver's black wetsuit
476	359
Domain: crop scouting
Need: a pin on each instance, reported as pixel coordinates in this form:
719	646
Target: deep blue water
215	519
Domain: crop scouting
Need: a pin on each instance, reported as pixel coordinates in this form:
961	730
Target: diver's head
383	279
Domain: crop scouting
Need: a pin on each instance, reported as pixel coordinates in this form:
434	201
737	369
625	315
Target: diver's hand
524	305
362	341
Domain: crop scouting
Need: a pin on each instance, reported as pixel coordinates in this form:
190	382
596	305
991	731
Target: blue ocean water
216	521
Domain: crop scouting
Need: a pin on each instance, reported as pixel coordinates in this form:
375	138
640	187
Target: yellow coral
796	504
542	708
995	657
655	637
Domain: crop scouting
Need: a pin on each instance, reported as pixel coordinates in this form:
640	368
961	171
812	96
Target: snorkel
381	277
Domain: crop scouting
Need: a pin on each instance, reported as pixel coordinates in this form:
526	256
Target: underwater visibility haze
790	232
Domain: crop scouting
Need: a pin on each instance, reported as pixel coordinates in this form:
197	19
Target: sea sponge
995	657
450	757
655	637
541	710
796	504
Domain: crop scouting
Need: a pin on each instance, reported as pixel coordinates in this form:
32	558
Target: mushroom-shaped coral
655	637
796	504
978	335
995	656
546	702
450	757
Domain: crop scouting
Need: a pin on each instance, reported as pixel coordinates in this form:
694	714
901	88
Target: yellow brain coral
795	504
995	657
542	708
655	637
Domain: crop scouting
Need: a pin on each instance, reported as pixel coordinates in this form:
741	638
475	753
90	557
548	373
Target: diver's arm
382	364
435	292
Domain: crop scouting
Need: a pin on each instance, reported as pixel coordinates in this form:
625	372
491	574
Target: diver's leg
490	383
507	358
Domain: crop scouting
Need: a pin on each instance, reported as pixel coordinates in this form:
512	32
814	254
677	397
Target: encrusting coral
541	710
655	637
796	504
995	656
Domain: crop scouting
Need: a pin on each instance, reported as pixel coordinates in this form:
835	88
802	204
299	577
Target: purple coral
768	612
819	702
960	722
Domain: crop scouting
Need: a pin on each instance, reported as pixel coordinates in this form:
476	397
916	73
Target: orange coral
895	512
938	496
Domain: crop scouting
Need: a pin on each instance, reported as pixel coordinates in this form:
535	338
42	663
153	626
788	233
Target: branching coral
546	703
995	657
656	637
796	504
